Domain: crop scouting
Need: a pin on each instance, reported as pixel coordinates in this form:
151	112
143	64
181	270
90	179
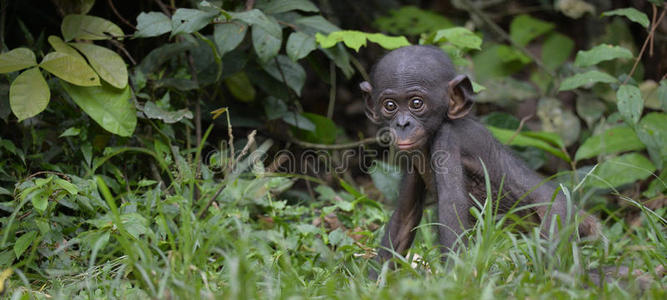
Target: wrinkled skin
415	92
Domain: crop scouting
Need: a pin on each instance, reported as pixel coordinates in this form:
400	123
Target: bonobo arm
453	203
399	233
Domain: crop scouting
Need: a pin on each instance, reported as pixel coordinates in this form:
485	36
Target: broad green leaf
188	20
411	20
275	108
17	59
586	78
657	186
386	178
299	45
492	62
324	133
23	242
29	94
298	120
652	131
152	24
523	140
72	131
240	87
60	46
629	103
525	28
108	64
352	39
257	18
388	42
460	37
89	28
293	72
40	199
152	111
314	24
614	140
556	50
266	45
70	69
355	39
630	13
228	36
108	106
621	170
281	6
590	108
341	58
599	53
66	185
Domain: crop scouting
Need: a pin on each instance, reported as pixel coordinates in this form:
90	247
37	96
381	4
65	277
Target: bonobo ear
369	106
460	97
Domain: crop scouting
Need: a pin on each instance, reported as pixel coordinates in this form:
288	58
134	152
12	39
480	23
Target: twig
332	91
3	15
651	33
518	130
163	8
507	37
113	8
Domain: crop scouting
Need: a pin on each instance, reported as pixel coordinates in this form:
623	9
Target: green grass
100	239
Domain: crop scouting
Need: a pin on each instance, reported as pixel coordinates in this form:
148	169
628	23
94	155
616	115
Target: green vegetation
158	157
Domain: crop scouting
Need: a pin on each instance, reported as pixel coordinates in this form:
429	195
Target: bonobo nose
403	124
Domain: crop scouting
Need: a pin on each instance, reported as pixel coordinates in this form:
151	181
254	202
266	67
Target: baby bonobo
416	94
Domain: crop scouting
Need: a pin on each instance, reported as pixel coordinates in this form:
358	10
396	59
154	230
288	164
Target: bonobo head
413	90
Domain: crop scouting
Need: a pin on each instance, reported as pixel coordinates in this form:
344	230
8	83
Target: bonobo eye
416	103
390	105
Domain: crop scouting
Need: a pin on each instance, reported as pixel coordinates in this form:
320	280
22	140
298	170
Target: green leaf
70	69
662	94
355	39
388	42
556	50
460	37
108	106
152	24
314	24
281	6
188	20
630	13
523	140
89	28
23	242
411	20
652	131
29	94
299	45
614	140
40	199
298	120
17	59
257	18
525	28
72	131
599	53
293	72
266	45
587	78
108	64
629	103
240	87
60	46
621	170
352	39
228	36
66	185
324	133
386	178
152	111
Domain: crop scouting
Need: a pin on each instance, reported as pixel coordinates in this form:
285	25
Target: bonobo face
412	91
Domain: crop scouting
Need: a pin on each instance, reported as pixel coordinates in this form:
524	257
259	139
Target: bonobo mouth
407	145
